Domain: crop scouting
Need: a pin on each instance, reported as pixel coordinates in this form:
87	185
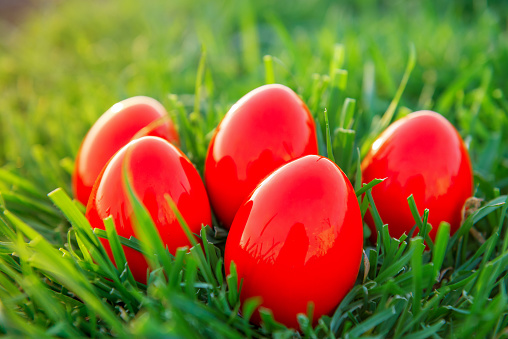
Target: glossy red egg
297	239
265	129
133	117
421	154
156	168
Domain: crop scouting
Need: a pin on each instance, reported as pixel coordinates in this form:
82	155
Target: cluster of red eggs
295	227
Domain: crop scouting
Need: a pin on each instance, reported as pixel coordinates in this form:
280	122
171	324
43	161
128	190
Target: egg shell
297	239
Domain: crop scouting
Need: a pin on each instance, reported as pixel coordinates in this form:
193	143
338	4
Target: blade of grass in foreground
51	261
144	226
269	74
439	252
117	250
196	249
84	232
329	148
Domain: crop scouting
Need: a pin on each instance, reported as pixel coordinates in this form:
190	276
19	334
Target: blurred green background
63	63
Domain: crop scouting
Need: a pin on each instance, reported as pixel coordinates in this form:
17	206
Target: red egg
265	129
421	154
156	168
133	117
297	239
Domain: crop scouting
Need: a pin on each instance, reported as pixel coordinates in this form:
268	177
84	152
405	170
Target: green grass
367	63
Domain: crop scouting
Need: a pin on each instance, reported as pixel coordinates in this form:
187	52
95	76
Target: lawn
64	63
